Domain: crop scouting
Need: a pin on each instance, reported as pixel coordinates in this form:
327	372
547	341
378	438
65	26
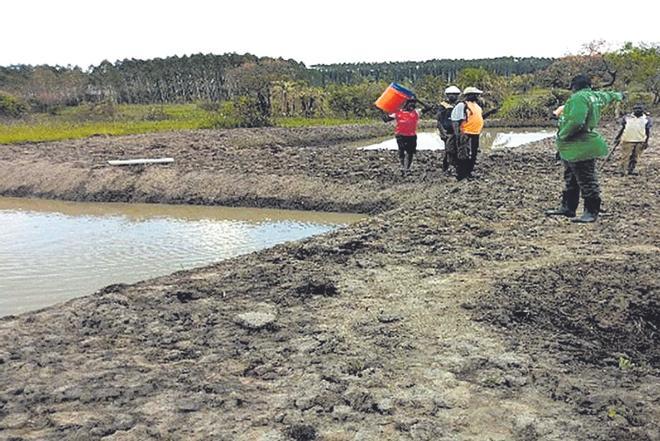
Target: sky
83	33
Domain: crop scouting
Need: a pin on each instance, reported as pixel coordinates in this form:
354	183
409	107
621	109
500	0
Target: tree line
259	88
160	80
412	71
221	77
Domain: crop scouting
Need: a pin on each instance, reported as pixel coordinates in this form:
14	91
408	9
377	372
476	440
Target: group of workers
460	123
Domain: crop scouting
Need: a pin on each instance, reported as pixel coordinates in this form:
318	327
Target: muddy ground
456	312
242	167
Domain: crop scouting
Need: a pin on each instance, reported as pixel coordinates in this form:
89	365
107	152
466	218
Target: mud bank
241	167
461	313
307	168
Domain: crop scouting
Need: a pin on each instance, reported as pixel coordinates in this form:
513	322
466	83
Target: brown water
52	251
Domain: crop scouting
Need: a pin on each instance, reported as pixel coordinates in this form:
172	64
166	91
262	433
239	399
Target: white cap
471	89
452	89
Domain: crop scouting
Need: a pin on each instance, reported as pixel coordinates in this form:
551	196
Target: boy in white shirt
634	137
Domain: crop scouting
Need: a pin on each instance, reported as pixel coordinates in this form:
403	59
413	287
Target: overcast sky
87	32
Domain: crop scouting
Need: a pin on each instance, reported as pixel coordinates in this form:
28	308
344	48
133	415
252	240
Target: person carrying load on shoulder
579	144
407	118
468	122
634	138
445	126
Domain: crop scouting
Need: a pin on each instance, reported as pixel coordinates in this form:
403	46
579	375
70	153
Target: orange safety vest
474	120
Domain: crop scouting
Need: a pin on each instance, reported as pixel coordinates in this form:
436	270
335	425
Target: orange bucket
393	98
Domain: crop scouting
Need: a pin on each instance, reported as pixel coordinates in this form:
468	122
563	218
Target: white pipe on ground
141	161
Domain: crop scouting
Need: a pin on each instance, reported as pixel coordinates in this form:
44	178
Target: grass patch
130	119
84	121
18	133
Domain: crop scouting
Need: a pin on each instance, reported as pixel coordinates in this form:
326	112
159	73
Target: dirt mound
599	309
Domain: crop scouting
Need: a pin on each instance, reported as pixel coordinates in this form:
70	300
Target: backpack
444	117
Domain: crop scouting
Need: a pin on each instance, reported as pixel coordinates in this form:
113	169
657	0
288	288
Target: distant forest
217	77
413	71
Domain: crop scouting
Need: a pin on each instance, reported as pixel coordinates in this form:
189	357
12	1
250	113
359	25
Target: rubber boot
472	162
591	210
569	203
462	167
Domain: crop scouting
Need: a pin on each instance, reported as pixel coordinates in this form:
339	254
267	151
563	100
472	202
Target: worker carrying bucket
399	104
393	98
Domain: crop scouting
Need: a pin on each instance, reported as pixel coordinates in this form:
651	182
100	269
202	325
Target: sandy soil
458	312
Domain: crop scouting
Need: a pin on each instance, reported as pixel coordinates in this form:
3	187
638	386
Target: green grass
84	121
61	131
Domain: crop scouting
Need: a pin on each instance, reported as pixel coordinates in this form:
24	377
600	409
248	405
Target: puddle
491	138
52	251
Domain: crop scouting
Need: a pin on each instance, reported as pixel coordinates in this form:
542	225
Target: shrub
41	106
224	118
644	98
517	107
537	104
11	107
248	112
101	110
155	113
355	100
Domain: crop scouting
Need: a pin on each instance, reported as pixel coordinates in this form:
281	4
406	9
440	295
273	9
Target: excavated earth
456	311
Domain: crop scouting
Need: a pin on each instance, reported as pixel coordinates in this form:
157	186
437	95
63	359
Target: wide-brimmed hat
452	90
469	90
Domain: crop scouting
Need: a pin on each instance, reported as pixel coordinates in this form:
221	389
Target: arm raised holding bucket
399	103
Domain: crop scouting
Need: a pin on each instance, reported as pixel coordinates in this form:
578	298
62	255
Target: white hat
469	90
452	89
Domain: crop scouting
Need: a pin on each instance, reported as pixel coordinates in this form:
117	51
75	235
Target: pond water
491	138
52	251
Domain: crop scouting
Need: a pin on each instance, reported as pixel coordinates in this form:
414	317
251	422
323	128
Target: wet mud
458	311
241	167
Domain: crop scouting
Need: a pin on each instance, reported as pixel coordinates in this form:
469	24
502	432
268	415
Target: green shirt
577	139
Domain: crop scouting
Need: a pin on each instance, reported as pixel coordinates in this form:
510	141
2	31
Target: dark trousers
445	136
467	148
407	148
474	151
581	177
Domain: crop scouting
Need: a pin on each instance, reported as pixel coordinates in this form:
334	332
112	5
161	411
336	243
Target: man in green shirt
579	144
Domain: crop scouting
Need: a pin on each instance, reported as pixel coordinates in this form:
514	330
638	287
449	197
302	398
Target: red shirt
406	122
